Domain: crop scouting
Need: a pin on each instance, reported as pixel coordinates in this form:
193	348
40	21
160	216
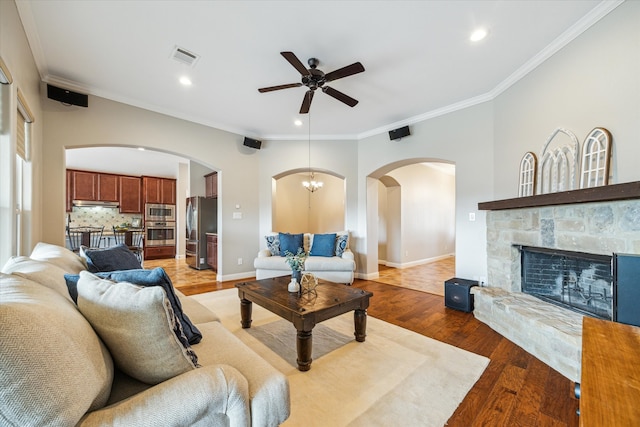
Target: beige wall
297	210
110	123
463	138
592	82
427	214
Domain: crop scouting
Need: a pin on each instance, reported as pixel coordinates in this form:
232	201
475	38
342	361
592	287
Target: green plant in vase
296	263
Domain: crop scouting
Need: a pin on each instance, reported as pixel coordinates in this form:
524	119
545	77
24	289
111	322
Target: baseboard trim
415	263
235	276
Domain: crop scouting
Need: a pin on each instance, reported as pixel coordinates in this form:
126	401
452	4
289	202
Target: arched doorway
411	212
298	210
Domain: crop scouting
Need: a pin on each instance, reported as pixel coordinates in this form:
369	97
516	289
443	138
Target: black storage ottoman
457	294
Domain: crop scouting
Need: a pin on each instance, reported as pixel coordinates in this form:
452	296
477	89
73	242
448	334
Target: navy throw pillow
290	243
115	258
140	277
323	245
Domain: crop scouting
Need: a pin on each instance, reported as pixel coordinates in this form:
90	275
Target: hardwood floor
516	389
428	277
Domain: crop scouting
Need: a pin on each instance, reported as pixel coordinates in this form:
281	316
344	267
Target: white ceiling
124	161
418	58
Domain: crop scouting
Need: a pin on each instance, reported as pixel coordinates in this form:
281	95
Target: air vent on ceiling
184	56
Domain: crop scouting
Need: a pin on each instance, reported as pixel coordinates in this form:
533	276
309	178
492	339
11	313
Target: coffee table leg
304	346
245	312
360	322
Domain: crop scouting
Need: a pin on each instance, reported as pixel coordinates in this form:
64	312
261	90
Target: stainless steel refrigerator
201	218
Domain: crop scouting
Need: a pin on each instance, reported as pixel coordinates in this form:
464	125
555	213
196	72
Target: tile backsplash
98	216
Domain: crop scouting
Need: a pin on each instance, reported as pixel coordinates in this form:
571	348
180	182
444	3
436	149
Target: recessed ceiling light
478	35
298	123
185	80
140	148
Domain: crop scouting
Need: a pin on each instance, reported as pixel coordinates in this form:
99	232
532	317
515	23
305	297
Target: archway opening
298	210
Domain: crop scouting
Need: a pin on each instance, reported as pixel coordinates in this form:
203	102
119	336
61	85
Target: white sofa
58	371
338	269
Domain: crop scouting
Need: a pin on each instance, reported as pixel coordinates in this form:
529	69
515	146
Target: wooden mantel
607	193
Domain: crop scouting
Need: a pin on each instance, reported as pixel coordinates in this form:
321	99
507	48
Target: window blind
24	117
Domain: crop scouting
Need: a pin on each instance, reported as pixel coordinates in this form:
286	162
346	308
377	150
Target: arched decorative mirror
557	170
596	152
527	183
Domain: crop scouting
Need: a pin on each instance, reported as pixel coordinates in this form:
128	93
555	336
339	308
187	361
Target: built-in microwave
159	213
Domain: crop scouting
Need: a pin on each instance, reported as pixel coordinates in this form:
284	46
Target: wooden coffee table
330	300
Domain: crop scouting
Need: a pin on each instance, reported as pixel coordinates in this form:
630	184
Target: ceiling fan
314	79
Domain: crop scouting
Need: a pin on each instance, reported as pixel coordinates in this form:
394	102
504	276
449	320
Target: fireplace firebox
606	287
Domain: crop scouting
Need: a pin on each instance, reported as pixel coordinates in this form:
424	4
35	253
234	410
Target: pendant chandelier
312	185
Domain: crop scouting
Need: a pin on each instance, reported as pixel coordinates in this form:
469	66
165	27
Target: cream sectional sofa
338	268
55	370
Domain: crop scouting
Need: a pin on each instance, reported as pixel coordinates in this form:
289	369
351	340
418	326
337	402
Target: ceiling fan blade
347	71
293	60
340	96
287	86
306	102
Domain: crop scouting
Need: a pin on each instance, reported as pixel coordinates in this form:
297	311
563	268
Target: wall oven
159	213
160	233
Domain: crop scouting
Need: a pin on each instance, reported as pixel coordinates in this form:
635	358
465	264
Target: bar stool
132	238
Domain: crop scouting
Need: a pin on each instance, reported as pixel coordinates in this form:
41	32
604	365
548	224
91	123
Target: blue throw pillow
323	245
290	243
155	277
341	244
273	244
111	259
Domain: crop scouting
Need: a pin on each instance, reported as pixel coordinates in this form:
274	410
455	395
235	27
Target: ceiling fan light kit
313	78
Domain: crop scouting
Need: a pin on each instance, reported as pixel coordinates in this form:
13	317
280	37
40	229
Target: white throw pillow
53	366
42	272
69	261
138	326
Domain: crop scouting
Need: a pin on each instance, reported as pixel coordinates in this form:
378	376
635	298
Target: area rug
395	377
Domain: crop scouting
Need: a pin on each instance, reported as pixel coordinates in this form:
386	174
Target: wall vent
184	56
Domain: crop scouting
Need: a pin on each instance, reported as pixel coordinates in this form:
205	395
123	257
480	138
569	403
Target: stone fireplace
601	228
579	281
597	223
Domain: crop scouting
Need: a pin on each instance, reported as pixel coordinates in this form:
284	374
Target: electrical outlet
472	216
239	261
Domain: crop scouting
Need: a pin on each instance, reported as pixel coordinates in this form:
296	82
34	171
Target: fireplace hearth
581	282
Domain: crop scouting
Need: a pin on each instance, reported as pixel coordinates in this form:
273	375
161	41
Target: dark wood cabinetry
211	185
85	185
130	194
159	190
69	203
93	186
159	252
212	251
108	188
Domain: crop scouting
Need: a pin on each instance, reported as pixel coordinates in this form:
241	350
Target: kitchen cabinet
84	185
159	252
108	188
93	186
211	185
69	193
212	251
159	190
130	194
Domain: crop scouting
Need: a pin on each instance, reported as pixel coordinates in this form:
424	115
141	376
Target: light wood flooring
516	389
428	277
